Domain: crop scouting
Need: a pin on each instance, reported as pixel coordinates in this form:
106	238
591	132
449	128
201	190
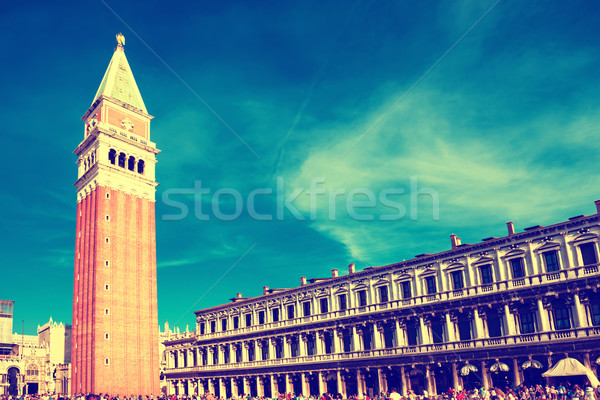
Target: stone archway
13	380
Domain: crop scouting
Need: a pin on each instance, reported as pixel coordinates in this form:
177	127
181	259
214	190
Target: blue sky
504	127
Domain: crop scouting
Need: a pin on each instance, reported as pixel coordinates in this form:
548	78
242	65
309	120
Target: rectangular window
248	319
306	308
202	328
595	311
290	312
362	298
236	322
406	290
223	325
213	326
551	260
486	274
383	294
561	317
457	280
275	314
261	317
431	285
588	253
527	319
324	305
516	266
342	302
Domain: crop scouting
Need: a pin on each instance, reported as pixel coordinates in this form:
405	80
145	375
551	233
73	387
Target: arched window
32	370
141	167
131	163
122	158
112	155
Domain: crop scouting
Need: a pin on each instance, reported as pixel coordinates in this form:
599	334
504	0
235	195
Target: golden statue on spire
120	39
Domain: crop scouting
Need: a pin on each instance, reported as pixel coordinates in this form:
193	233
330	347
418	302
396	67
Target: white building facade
495	313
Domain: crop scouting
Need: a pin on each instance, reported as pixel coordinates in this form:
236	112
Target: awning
570	367
532	364
499	366
467	369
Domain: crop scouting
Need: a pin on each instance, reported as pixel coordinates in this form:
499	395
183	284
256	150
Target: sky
407	121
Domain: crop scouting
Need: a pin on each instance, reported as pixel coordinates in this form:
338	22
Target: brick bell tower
115	322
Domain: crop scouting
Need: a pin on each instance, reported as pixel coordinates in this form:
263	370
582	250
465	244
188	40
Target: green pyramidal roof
119	83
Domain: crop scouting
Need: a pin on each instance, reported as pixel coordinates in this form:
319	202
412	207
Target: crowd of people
563	391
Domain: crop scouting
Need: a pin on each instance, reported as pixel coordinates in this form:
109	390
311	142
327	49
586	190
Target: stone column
428	380
303	385
272	348
260	390
400	342
234	388
376	337
287	346
485	376
516	375
322	386
338	341
479	332
450	328
543	315
222	388
289	388
339	382
510	321
211	385
580	312
320	342
355	339
200	387
382	381
247	390
274	390
404	381
359	385
455	382
424	331
302	345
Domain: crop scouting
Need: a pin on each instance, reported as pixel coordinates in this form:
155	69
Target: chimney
511	228
334	273
265	290
455	240
239	295
302	280
351	268
597	203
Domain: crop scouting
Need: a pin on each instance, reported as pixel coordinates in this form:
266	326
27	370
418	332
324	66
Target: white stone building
494	313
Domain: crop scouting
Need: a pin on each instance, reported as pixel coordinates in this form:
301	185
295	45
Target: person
394	395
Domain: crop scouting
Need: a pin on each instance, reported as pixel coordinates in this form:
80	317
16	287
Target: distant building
6	325
494	313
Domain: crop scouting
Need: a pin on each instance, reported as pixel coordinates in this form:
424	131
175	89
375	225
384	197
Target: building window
224	324
107	217
342	302
383	294
362	298
457	280
561	317
236	322
106	240
106	311
261	317
306	308
248	319
140	167
122	158
324	305
431	285
437	331
106	361
202	328
595	311
290	312
551	260
527	319
486	274
516	266
588	253
112	156
106	336
213	326
106	287
108	195
275	314
106	263
406	290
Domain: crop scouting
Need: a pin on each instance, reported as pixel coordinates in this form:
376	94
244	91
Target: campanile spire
115	322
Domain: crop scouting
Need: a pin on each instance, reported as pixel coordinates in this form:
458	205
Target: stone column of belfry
115	332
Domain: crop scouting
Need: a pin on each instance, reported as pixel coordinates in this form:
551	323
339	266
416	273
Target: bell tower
115	321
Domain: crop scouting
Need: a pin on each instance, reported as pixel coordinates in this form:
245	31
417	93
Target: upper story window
236	322
595	312
588	253
324	303
362	298
457	280
551	260
112	156
431	285
290	312
202	328
516	267
527	320
306	308
224	324
213	326
562	319
249	319
261	317
275	313
406	290
486	274
383	294
342	301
